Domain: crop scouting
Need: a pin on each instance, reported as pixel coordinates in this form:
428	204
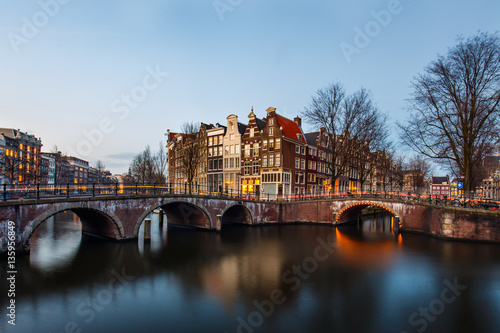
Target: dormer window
299	137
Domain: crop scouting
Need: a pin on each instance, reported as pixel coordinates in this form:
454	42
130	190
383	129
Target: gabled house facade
251	155
232	154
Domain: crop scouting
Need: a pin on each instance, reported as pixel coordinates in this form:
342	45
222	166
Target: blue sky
67	66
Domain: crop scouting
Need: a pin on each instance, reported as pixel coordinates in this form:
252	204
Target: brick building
283	155
440	186
251	154
215	146
22	157
79	170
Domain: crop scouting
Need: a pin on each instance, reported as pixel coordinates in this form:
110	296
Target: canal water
288	278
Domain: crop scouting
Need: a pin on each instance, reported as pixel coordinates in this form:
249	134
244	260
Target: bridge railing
69	190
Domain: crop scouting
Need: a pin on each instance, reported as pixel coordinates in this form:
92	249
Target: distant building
48	170
62	172
2	160
22	157
489	188
440	186
78	171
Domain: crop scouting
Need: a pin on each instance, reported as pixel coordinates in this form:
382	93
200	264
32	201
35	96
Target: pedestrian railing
69	190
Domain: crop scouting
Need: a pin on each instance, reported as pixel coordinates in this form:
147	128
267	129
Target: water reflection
56	241
359	278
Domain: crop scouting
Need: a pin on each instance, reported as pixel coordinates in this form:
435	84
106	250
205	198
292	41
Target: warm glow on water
290	278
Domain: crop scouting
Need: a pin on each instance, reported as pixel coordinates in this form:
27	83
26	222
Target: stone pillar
218	222
147	230
160	217
447	223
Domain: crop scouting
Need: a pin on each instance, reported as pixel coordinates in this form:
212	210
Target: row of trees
454	117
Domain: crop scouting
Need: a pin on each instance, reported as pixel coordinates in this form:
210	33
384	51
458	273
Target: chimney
298	121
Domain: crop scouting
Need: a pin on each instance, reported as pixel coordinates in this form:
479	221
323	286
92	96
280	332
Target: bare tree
370	135
454	111
101	168
349	120
191	152
11	164
417	169
142	167
161	164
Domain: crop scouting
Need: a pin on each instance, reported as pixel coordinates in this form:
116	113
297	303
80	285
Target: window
247	168
297	162
247	150
232	149
231	163
303	150
264	144
221	137
231	136
210	141
220	150
237	164
220	164
271	145
210	164
271	121
216	164
226	150
255	168
252	132
271	131
237	149
225	163
278	144
264	161
297	149
303	164
210	152
277	162
256	149
271	160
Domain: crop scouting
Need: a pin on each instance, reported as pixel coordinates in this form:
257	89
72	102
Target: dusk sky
103	79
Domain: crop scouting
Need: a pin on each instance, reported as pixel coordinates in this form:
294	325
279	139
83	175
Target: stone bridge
120	217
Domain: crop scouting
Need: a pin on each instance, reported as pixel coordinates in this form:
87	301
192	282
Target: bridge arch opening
55	242
354	213
93	222
177	213
237	214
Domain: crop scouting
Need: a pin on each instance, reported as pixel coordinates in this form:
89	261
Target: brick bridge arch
99	222
178	212
237	212
351	211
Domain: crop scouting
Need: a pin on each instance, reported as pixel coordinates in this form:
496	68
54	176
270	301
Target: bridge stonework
120	217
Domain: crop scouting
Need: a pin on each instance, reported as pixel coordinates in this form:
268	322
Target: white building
232	154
